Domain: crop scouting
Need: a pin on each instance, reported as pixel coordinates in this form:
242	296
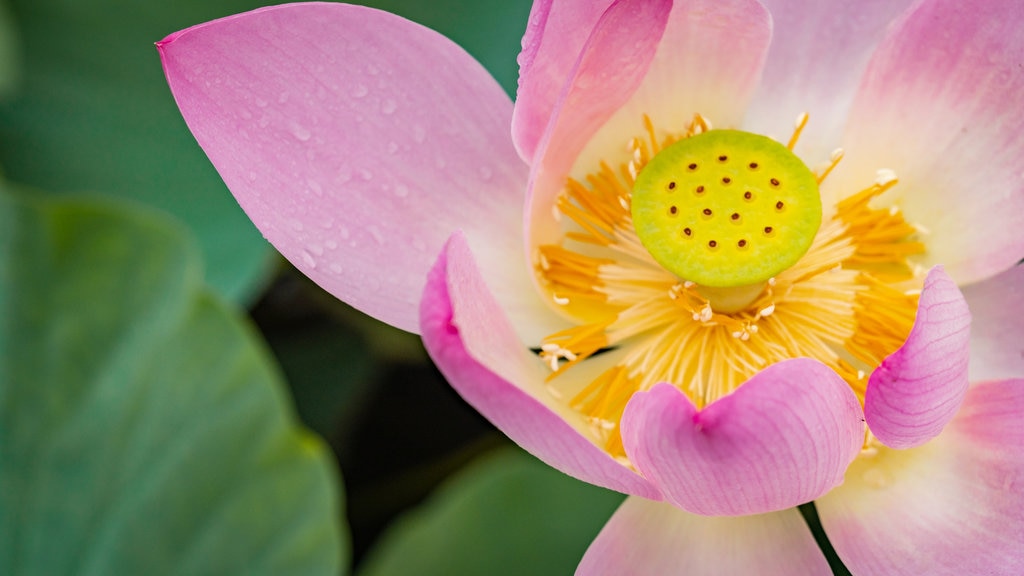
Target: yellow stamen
798	128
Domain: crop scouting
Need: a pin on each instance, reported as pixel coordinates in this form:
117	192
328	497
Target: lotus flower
646	274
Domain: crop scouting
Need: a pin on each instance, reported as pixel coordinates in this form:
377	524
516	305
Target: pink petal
612	64
708	61
471	341
783	438
918	389
555	34
647	538
348	135
997	326
818	52
942	104
954	506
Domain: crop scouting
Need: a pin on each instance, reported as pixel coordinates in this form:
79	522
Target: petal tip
918	388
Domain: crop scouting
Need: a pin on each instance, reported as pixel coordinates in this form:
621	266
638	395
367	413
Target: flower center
726	208
661	305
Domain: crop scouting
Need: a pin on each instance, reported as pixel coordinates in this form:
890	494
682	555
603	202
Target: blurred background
174	397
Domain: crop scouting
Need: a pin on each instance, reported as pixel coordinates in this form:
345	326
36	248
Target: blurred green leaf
507	514
95	112
142	428
10	52
328	367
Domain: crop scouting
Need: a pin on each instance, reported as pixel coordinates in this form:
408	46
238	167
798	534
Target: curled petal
952	507
555	34
781	439
917	389
347	134
612	64
647	538
470	339
940	104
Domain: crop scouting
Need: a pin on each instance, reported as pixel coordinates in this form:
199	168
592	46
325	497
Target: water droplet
378	236
343	232
392	147
330	244
252	176
308	259
401	190
365	174
300	132
486	173
261	102
316	249
419	134
336	268
440	163
283	97
344	173
314	186
388	106
297	225
419	245
360	90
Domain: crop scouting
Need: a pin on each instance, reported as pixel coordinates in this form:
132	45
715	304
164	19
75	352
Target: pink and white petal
819	50
348	134
646	538
952	507
709	61
612	64
942	104
783	438
997	326
554	36
918	388
471	340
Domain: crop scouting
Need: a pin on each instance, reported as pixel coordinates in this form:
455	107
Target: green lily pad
94	112
507	514
143	429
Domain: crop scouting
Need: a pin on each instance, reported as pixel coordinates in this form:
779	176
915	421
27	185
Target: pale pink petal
646	538
942	104
470	339
783	438
997	326
357	142
819	50
612	64
953	507
917	389
708	61
555	34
